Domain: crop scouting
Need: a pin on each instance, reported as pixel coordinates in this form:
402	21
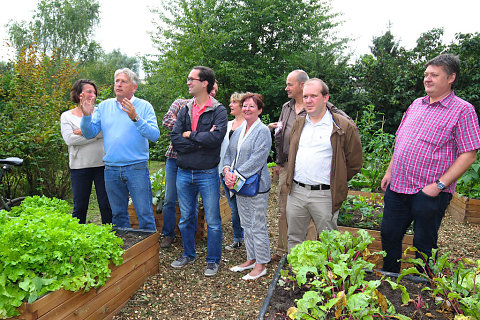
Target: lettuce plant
43	248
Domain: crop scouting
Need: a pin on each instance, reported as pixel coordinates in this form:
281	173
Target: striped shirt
169	121
429	140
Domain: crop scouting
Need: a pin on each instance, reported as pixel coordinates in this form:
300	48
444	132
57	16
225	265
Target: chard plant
43	248
455	284
334	268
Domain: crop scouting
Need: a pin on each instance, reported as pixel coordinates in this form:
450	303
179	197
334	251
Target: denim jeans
169	211
82	187
400	210
190	183
236	225
134	180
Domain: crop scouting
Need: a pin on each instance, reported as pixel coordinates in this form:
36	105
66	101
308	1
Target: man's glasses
191	79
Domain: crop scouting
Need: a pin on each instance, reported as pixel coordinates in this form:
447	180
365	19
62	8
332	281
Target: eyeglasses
191	79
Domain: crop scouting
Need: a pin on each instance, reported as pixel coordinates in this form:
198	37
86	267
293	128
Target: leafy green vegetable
43	248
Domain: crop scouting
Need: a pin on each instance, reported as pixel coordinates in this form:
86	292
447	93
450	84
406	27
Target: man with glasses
169	211
197	137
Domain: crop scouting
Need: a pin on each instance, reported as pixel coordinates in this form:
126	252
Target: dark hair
257	98
206	74
449	62
77	89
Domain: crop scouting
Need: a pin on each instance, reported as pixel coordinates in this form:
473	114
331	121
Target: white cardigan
82	152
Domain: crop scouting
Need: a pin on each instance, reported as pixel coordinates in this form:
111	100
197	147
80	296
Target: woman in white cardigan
85	155
246	155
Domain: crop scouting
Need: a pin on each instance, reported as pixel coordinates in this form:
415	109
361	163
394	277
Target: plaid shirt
169	121
429	140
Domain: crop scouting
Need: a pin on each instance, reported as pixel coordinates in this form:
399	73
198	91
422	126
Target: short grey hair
301	75
129	73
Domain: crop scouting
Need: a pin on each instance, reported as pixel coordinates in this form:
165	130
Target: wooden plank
54	304
114	305
119	275
143	271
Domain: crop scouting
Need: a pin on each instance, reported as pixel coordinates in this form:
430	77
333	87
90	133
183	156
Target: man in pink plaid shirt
436	142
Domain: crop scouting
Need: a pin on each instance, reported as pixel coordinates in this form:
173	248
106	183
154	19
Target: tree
101	70
30	125
251	45
63	27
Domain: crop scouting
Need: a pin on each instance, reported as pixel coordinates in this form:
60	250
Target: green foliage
377	148
455	284
102	69
251	45
469	183
43	248
362	212
157	181
334	268
60	27
30	125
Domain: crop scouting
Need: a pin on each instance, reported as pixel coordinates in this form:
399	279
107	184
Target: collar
208	104
445	102
326	119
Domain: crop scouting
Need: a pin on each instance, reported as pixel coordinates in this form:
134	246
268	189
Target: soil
284	298
131	238
188	294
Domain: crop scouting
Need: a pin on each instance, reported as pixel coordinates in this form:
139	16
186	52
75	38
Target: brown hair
257	98
77	89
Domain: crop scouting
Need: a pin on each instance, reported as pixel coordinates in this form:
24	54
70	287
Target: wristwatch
137	117
440	185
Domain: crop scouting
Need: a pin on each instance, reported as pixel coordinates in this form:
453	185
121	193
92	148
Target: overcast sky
125	23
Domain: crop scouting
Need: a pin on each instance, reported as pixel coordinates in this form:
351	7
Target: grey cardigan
253	154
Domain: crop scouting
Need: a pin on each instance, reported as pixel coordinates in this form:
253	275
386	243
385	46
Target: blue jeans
134	180
236	225
82	187
400	210
191	183
169	211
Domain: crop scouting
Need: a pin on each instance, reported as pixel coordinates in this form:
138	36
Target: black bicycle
6	166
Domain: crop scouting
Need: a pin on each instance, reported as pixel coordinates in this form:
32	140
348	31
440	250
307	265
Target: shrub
30	125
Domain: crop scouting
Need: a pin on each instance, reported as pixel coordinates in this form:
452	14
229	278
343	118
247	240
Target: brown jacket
346	157
288	117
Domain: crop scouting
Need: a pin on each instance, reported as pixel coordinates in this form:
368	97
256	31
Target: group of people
318	150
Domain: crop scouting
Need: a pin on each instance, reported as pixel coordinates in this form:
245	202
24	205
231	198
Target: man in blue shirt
127	124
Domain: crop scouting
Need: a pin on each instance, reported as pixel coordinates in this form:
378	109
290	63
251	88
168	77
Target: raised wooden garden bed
464	209
139	262
225	214
376	245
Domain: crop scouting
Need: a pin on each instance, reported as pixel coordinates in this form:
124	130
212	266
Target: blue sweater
125	141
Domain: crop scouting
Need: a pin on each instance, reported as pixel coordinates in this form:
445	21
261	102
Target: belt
310	187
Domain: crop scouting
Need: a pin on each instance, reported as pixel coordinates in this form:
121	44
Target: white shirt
314	155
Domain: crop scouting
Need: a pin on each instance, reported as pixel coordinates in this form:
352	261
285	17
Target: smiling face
250	111
195	85
436	82
88	92
124	87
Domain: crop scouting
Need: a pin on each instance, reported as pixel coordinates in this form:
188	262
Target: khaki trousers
282	246
304	205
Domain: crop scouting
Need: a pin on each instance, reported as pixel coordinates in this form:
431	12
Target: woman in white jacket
85	155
